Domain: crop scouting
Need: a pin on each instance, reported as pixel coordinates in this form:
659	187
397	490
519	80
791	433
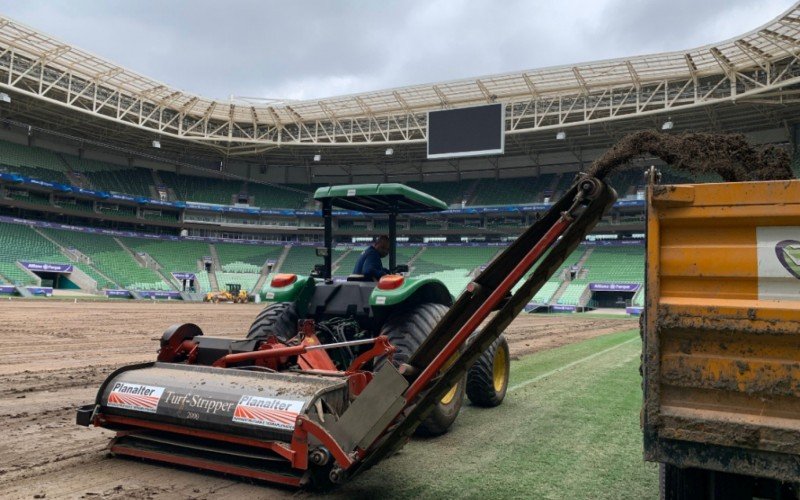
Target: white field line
568	365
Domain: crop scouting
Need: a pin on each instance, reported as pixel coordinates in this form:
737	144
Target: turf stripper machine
282	406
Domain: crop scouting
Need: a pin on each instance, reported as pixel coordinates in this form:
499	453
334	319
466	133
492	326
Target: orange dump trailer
721	331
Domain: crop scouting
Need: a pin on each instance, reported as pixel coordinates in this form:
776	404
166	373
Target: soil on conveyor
728	155
55	354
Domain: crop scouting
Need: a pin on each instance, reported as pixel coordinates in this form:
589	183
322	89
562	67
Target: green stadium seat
242	258
19	242
110	259
300	260
246	280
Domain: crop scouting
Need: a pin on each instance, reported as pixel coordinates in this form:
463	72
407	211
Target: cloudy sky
300	49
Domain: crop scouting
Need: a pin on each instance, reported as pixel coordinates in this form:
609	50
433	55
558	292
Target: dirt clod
729	155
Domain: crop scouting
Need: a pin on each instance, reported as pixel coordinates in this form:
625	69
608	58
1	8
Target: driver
369	264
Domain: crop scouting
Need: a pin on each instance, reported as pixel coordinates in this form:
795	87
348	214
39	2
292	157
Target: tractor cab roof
380	198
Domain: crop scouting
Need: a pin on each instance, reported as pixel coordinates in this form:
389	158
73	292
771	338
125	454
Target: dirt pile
729	155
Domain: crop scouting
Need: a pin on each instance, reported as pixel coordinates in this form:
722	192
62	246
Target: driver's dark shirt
369	264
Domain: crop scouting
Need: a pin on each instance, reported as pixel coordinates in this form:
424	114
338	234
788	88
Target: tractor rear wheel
487	379
406	330
278	319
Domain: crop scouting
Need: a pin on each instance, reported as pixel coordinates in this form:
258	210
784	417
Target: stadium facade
78	136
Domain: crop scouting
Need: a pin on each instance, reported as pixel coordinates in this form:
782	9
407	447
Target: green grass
569	428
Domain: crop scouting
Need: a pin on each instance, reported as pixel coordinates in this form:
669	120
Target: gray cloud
307	49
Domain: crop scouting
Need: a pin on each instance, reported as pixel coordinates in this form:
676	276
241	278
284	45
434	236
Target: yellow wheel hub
452	392
450	395
499	372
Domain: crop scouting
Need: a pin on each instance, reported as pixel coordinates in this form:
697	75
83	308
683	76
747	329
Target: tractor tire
487	379
406	329
278	319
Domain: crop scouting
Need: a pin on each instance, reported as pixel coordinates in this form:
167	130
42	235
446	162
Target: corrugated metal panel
722	337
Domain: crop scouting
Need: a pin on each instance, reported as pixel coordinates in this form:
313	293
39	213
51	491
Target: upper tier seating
202	189
266	196
32	161
511	191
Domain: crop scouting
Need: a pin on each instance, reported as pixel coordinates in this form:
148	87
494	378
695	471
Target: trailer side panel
722	328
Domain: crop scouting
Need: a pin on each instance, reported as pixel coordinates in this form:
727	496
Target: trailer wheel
487	379
278	319
406	330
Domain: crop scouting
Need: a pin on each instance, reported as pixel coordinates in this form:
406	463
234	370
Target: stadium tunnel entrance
611	295
59	276
56	281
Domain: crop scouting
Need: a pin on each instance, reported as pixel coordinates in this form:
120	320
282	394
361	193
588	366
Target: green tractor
403	309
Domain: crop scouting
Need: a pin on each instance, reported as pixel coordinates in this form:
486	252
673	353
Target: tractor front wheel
406	330
487	379
278	319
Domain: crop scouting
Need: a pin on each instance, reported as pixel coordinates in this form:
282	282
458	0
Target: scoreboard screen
475	131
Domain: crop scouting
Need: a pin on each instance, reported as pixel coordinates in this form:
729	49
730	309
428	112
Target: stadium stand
638	298
606	265
573	293
162	216
235	258
452	193
435	259
246	280
274	197
545	293
32	161
512	191
109	177
74	204
33	197
172	256
203	283
451	265
201	189
300	260
110	259
616	265
18	242
116	209
346	265
454	279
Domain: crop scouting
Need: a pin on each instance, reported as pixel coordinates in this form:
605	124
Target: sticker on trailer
135	397
267	412
380	300
778	262
351	192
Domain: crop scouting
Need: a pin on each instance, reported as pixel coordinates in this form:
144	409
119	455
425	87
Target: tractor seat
358	277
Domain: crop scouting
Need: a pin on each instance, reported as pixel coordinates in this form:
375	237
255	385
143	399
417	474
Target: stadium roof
756	65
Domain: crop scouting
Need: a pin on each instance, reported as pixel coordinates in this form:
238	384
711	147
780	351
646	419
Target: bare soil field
54	355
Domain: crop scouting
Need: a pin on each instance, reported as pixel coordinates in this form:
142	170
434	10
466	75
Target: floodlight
561	136
156	144
317	157
389	151
5	97
667	125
